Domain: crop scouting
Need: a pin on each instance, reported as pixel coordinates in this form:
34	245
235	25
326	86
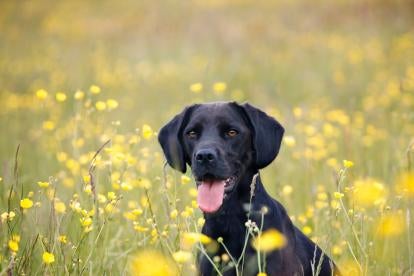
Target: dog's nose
205	156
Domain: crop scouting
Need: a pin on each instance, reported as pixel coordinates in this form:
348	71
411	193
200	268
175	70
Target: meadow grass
85	86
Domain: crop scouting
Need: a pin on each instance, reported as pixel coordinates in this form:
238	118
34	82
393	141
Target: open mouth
212	192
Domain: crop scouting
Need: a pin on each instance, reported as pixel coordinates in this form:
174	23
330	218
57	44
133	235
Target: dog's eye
192	134
231	133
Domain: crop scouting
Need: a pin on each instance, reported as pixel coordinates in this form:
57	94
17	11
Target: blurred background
339	75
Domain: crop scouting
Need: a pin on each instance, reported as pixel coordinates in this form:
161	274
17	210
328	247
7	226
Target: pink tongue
210	195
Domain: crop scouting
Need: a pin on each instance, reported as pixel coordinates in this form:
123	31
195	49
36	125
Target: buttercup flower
26	203
13	245
95	89
182	256
43	184
348	164
48	258
269	241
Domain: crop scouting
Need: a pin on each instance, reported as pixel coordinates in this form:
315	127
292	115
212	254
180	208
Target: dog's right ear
170	139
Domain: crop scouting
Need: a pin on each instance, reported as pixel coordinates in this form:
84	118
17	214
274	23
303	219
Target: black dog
226	144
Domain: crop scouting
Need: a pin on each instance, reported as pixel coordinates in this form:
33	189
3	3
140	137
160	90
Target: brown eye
192	134
232	133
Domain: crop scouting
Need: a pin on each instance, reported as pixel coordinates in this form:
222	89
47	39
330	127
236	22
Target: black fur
203	130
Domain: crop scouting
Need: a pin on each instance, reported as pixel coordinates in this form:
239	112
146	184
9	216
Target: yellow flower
191	238
112	104
16	237
77	143
26	203
63	239
290	141
130	216
335	204
193	192
141	229
196	87
111	196
95	89
143	183
149	262
89	213
101	198
88	189
48	125
200	222
225	258
61	97
185	214
391	225
100	105
262	274
350	268
348	164
48	258
368	192
79	95
41	94
269	241
126	186
88	229
287	190
182	256
185	179
86	178
86	221
43	184
4	216
338	195
147	132
307	230
219	87
174	214
60	207
14	245
75	206
405	184
336	250
333	163
337	115
297	112
109	208
137	211
8	216
61	156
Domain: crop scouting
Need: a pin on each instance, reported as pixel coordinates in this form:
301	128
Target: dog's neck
230	221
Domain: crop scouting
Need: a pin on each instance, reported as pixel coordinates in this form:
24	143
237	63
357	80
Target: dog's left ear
169	138
267	135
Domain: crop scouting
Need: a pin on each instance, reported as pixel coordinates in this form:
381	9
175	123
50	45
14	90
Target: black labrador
226	144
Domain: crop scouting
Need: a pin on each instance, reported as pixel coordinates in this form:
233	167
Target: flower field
86	85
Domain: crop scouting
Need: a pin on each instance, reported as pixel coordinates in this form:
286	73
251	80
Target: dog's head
220	142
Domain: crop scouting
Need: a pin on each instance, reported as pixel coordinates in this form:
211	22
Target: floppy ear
169	138
267	135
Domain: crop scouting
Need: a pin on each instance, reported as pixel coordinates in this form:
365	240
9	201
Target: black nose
205	156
